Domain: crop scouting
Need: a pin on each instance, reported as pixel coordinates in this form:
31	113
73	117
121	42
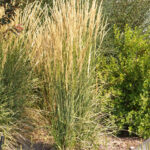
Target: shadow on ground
37	146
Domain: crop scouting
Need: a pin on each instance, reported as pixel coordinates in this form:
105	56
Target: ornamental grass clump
62	49
16	85
64	53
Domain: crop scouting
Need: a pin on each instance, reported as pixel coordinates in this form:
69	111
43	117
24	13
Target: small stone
132	148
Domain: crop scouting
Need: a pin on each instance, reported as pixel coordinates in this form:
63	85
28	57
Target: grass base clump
62	50
65	47
16	90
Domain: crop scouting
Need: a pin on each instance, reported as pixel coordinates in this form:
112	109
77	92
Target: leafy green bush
124	79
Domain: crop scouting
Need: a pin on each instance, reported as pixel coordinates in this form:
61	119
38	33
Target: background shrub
125	81
125	12
135	13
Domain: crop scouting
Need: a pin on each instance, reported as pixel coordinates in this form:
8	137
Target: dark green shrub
122	12
9	11
124	79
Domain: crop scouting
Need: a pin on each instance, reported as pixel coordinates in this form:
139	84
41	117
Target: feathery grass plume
64	51
16	85
16	93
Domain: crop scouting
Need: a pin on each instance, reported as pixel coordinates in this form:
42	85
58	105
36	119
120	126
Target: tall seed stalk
63	49
66	63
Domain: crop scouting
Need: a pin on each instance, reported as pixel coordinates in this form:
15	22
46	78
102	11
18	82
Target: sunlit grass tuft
16	87
61	49
64	53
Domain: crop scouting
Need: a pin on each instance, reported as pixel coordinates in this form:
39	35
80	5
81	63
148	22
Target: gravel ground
110	143
124	143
